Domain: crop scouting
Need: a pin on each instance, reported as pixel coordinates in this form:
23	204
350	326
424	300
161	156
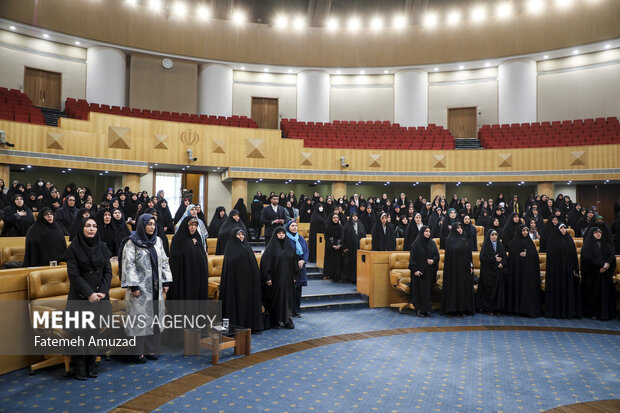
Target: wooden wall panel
261	148
115	23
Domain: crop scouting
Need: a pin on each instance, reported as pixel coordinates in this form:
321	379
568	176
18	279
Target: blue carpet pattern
442	372
118	382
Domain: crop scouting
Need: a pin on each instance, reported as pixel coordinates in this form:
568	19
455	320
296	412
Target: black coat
240	286
457	295
317	226
422	250
562	286
45	242
333	262
16	225
350	245
598	290
383	240
279	265
267	218
524	294
189	265
491	286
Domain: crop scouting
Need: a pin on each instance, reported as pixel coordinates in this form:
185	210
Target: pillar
215	90
218	193
339	189
106	76
313	96
5	175
132	181
437	189
411	98
545	188
516	81
239	190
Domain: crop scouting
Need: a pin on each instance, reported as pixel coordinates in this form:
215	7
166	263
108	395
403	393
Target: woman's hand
94	297
269	283
418	273
165	289
430	262
523	253
136	293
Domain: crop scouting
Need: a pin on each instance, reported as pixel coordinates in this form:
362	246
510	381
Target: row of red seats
367	134
557	133
17	106
80	108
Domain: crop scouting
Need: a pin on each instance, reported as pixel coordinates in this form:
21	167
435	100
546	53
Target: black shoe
289	325
139	359
275	326
78	376
428	314
152	357
93	373
297	315
333	280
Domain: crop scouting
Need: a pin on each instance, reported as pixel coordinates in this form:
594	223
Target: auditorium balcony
80	108
17	106
599	131
367	135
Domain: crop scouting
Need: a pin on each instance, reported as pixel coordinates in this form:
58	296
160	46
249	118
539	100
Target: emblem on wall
189	137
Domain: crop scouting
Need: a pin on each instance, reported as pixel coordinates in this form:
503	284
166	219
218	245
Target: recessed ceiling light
376	23
546	56
46	36
29	166
266	69
430	20
338	72
399	22
478	14
354	24
575	52
504	10
535	6
607	46
454	17
435	69
332	23
290	70
179	9
203	13
12	28
362	72
238	17
280	21
68	169
487	64
385	72
77	43
242	67
299	23
155	5
461	67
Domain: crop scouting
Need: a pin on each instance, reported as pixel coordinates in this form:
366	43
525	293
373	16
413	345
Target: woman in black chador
413	229
333	262
457	296
188	263
240	286
446	227
317	225
383	237
225	234
423	260
523	291
219	217
279	269
563	284
493	262
90	277
45	241
352	233
17	217
598	263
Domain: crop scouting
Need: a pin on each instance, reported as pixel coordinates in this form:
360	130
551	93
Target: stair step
338	302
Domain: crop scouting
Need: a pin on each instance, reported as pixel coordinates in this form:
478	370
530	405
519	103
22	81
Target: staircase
467	143
322	294
51	116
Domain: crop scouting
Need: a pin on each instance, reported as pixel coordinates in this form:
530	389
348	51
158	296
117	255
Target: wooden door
43	87
602	195
462	122
265	112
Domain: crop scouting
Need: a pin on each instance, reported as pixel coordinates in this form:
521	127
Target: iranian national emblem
189	137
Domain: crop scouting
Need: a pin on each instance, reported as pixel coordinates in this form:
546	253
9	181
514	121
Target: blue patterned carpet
483	363
444	372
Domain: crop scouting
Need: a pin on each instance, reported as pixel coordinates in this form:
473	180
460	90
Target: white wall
218	193
362	98
570	190
579	94
18	52
265	85
468	93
